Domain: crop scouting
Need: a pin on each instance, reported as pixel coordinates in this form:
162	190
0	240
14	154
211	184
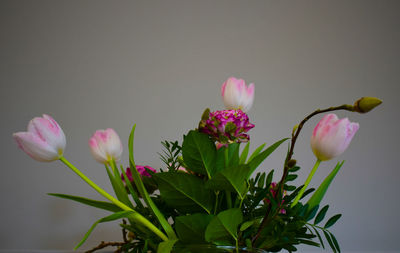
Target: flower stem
135	215
310	176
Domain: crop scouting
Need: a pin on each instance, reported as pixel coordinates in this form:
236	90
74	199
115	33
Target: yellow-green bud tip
366	104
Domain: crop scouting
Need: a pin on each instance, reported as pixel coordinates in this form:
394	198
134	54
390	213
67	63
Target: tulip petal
36	147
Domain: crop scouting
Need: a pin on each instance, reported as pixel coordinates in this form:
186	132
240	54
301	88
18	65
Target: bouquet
208	196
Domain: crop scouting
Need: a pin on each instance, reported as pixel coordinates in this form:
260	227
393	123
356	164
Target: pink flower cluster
227	126
142	171
273	190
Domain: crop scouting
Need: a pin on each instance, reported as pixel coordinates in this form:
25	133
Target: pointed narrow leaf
257	160
335	242
312	213
332	220
321	215
319	237
320	192
90	202
112	217
261	181
269	178
119	192
256	152
244	154
328	238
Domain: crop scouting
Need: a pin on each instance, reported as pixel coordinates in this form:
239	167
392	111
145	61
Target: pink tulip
237	95
44	141
332	136
105	146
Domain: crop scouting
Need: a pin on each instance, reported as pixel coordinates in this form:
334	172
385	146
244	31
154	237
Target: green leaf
320	192
335	242
332	220
291	177
112	217
247	224
166	247
258	159
233	154
90	202
131	190
143	192
231	179
321	215
119	191
185	192
256	152
199	153
312	213
244	154
261	181
319	238
191	228
223	227
328	238
269	178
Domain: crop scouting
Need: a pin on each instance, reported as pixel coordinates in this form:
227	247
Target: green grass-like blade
256	152
112	217
244	154
90	202
143	192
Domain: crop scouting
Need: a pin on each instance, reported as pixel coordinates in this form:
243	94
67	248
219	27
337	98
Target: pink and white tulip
237	95
105	146
44	141
332	136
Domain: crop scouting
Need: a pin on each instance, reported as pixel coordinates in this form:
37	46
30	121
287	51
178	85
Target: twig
106	244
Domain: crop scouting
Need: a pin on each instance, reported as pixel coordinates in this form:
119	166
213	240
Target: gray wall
99	64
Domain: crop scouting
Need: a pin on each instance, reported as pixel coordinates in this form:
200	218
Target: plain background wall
159	64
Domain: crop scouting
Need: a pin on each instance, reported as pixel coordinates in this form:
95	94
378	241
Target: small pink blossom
44	141
237	95
105	145
332	136
142	171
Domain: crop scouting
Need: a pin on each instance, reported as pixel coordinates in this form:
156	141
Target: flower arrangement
207	194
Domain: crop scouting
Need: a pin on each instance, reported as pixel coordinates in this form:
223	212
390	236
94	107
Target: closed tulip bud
237	95
105	145
332	136
366	104
44	141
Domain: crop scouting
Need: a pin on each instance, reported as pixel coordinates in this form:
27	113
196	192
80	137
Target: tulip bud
44	141
105	145
332	136
366	104
237	95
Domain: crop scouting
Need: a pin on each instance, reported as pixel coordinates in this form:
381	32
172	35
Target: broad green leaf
223	227
320	192
321	215
166	247
90	202
247	224
258	159
191	228
112	217
256	152
185	192
231	179
143	192
244	154
332	220
199	153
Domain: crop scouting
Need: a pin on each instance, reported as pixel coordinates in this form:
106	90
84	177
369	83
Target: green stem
314	169
216	202
136	216
228	198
